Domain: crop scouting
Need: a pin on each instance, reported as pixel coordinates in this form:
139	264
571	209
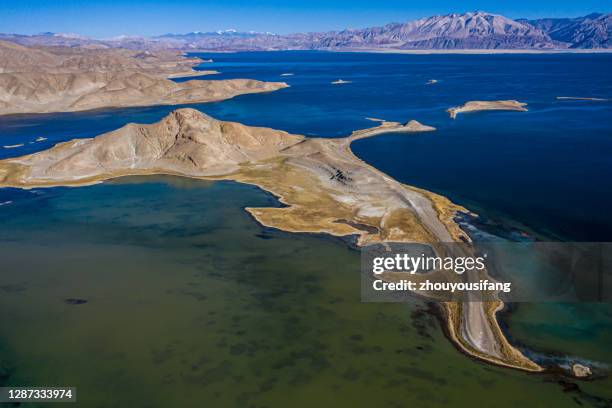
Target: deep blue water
547	169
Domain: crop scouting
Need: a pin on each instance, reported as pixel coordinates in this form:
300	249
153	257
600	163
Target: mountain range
473	30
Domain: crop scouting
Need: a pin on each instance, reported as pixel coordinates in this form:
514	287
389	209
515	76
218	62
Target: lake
188	300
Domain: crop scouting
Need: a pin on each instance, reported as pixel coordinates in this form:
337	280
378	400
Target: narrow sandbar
582	98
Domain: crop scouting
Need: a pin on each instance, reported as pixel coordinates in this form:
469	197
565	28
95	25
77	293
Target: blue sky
107	18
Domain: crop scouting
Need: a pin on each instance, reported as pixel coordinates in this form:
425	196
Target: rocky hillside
69	92
184	141
592	31
62	79
476	30
18	58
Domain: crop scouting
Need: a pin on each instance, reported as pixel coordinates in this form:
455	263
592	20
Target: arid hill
591	31
58	79
50	92
15	58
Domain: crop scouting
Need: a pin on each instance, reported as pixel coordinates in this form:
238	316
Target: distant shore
425	52
479	51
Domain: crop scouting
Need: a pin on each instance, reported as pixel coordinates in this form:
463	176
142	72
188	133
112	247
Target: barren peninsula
31	93
34	80
325	189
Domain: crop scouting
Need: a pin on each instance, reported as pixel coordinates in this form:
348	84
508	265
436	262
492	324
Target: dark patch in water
284	362
268	384
351	374
237	349
75	301
12	288
300	378
190	232
196	295
196	365
420	373
578	395
5	373
422	322
569	386
161	356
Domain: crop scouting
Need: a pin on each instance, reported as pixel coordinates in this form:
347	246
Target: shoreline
478	51
423	51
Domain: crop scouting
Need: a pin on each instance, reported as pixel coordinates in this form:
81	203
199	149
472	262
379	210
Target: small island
475	106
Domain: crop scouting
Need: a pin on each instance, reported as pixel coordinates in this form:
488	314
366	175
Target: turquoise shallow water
191	300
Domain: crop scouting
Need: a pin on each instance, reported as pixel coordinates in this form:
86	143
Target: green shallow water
191	303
